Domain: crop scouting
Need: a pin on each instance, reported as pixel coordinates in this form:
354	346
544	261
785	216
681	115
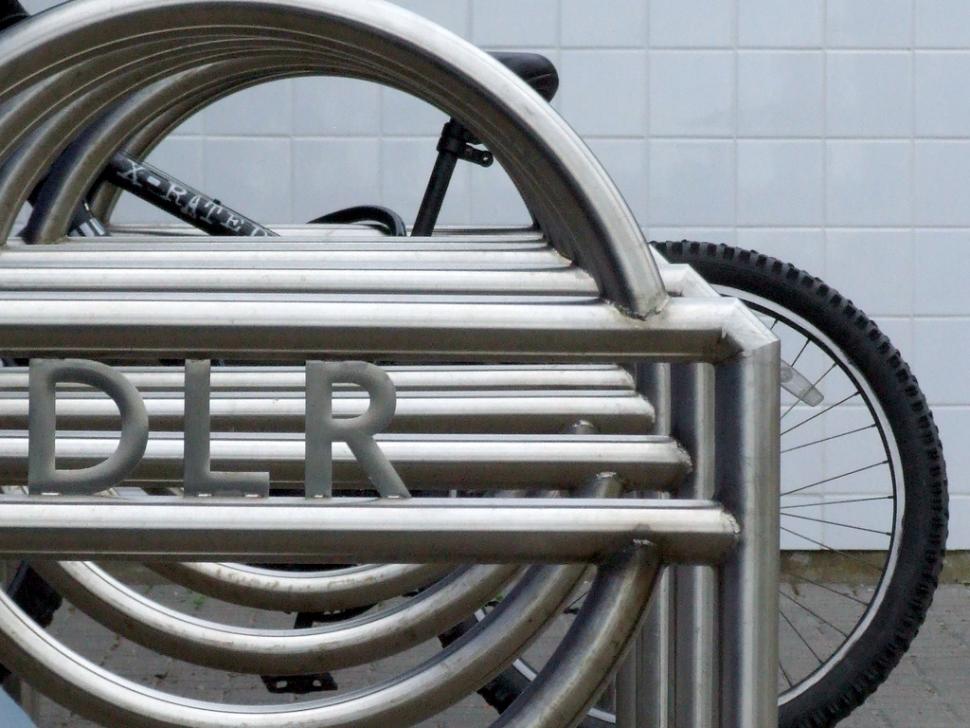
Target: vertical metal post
649	671
747	406
625	687
696	618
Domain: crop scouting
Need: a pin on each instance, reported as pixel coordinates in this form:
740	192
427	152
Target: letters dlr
322	430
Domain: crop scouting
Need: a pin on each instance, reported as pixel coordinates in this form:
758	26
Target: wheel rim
794	686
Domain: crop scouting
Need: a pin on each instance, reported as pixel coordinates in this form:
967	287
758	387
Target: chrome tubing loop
573	199
558	321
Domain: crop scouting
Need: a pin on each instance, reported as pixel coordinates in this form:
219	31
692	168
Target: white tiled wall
833	133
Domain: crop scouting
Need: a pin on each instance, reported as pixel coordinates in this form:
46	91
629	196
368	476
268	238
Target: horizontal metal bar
500	378
125	232
549	282
417	412
426	530
292	256
430	462
536	330
340	239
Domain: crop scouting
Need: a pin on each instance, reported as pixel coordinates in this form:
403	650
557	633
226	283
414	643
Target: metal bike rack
575	326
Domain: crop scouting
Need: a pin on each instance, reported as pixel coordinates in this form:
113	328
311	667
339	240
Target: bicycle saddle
536	70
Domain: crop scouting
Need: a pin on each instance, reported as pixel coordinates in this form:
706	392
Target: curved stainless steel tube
37	656
581	667
275	652
80	165
30	147
568	191
301	592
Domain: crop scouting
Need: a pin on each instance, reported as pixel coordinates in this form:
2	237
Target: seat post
455	143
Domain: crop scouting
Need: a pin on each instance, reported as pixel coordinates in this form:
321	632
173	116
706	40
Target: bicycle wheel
853	404
862	467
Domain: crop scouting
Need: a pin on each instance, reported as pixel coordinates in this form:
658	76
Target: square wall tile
36	6
940	349
780	183
453	15
533	24
409	164
262	110
596	108
959	538
870	23
254	176
691	183
942	102
942	23
181	157
942	189
495	200
870	94
625	160
406	115
780	93
193	126
331	174
606	23
942	259
692	93
780	23
873	268
804	248
691	23
336	107
870	183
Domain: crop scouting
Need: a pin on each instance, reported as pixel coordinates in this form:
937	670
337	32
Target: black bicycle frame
179	199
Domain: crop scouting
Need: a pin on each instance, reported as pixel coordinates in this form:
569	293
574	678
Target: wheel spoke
835	477
817	616
825	546
830	589
799	634
838	503
785	674
829	439
819	414
801	351
840	525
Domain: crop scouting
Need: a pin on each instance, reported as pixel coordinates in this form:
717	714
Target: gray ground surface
928	690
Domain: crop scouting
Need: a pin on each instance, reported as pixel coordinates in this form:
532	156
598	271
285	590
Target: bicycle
838	367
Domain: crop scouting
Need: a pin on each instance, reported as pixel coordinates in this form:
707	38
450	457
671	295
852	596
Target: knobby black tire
924	525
